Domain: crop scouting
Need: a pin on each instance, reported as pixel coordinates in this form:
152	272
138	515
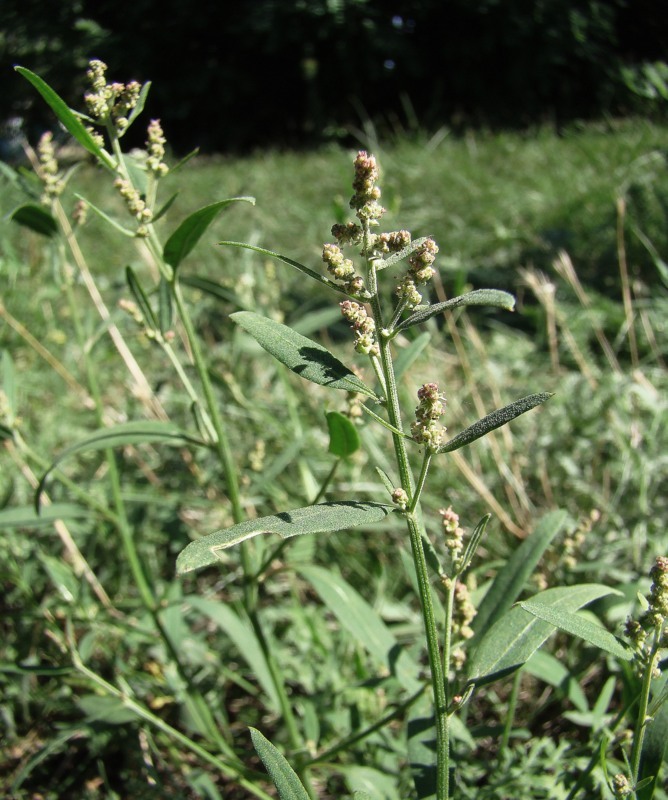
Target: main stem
415	532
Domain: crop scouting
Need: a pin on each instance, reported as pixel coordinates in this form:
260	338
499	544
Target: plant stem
643	704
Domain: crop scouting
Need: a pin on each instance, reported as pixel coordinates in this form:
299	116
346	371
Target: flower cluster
363	325
400	498
342	269
655	617
136	206
365	199
419	272
455	534
48	169
110	101
155	147
426	429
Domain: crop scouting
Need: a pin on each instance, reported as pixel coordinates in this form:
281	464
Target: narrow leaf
577	625
306	270
164	208
144	432
36	218
496	419
480	297
66	116
141	102
321	518
186	236
362	622
511	579
103	215
307	358
513	639
212	288
141	299
284	777
165	313
344	440
410	354
242	635
27	517
472	544
384	263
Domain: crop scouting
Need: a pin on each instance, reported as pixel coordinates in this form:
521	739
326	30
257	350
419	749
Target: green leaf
284	777
363	623
141	299
545	667
307	358
577	625
502	416
472	544
27	517
141	102
480	297
384	263
306	270
165	312
321	518
410	354
103	215
513	639
164	208
36	218
67	117
144	432
210	287
242	635
186	236
510	581
344	440
111	710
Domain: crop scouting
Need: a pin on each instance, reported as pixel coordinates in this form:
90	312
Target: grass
495	203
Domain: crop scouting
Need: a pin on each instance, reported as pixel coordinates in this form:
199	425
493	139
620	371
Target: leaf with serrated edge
303	356
320	518
502	416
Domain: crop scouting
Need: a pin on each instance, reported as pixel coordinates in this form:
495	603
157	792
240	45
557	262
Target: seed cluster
363	325
426	429
48	169
110	101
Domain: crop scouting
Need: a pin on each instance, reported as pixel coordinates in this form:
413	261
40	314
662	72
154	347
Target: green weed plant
350	703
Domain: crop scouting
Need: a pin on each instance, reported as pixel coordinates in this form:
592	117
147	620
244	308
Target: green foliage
119	677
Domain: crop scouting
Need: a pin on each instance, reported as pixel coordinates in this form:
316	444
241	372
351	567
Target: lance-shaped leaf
141	299
301	267
494	420
383	263
514	638
68	118
579	626
321	518
186	236
511	579
102	215
344	440
36	218
284	777
143	432
480	297
307	358
27	517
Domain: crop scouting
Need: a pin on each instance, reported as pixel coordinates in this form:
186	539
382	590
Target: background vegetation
508	210
273	72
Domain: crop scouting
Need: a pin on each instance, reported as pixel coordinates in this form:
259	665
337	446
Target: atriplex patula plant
463	653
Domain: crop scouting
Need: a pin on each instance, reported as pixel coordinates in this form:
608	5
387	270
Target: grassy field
574	226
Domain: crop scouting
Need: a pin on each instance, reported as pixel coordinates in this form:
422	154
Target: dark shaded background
232	76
